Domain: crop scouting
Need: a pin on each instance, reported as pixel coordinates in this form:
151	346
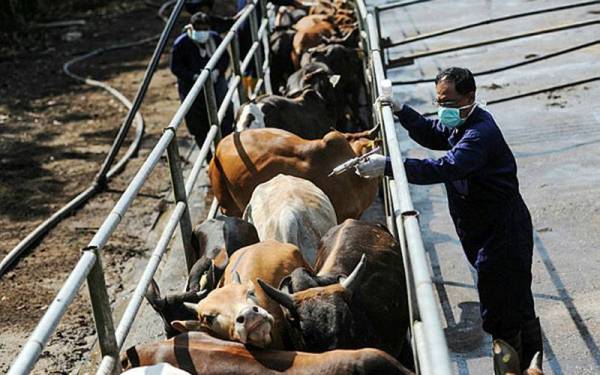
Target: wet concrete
554	137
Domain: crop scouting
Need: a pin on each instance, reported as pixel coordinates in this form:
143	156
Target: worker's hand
386	100
215	75
372	167
195	77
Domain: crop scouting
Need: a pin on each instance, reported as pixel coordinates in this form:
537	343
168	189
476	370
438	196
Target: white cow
293	210
158	369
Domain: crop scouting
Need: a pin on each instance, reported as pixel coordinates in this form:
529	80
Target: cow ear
334	79
186	325
286	285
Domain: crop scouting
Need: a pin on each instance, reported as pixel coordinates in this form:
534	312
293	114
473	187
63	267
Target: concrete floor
554	137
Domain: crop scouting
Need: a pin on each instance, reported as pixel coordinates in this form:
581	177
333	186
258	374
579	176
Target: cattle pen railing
430	348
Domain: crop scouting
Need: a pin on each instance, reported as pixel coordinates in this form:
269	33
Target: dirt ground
54	134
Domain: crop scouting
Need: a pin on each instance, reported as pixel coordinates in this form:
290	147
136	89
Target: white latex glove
372	167
386	100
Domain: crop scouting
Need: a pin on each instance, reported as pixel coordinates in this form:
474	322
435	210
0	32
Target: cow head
231	313
506	361
250	115
322	314
171	307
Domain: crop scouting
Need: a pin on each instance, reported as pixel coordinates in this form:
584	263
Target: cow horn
190	307
373	131
236	277
353	280
280	297
536	361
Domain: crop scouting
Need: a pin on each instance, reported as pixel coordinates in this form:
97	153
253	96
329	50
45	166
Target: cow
200	353
238	310
368	308
246	159
345	62
161	368
311	36
214	240
309	114
506	360
292	210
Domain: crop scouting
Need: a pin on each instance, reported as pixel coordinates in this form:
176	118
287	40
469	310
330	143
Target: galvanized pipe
255	39
237	69
179	193
105	328
193	176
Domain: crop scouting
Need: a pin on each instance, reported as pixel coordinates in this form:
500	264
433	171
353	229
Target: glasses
447	103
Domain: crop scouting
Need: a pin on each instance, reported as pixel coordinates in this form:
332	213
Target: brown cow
311	32
245	160
367	309
239	311
199	353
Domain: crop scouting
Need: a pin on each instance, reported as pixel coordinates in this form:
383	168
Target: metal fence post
101	308
212	108
258	60
237	69
185	224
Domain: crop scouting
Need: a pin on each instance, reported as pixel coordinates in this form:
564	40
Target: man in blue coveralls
191	51
492	221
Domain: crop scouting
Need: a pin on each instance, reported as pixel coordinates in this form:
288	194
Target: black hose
486	22
106	172
406	60
507	67
535	92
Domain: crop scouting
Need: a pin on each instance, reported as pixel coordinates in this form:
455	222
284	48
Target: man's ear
186	325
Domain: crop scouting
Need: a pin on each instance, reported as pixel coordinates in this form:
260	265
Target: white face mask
199	36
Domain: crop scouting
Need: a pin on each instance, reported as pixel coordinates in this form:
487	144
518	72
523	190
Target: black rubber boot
500	368
531	340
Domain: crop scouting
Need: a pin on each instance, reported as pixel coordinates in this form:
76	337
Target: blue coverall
187	61
491	219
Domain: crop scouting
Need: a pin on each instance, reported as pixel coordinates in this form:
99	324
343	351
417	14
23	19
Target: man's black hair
462	78
200	19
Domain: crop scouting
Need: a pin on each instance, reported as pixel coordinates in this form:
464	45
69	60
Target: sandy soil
54	134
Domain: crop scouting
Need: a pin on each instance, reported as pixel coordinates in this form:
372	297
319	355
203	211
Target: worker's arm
467	156
179	62
426	132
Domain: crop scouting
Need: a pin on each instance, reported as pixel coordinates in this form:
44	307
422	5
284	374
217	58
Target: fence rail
430	348
431	351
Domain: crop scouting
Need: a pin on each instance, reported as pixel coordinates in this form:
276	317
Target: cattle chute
430	348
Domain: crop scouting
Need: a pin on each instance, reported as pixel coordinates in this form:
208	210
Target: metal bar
488	22
255	39
404	60
212	109
105	328
434	349
401	5
235	57
422	363
227	100
46	326
193	176
178	184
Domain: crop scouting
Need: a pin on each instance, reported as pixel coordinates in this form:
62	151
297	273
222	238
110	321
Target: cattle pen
431	351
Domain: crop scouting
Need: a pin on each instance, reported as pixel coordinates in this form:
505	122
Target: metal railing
431	351
430	348
89	267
